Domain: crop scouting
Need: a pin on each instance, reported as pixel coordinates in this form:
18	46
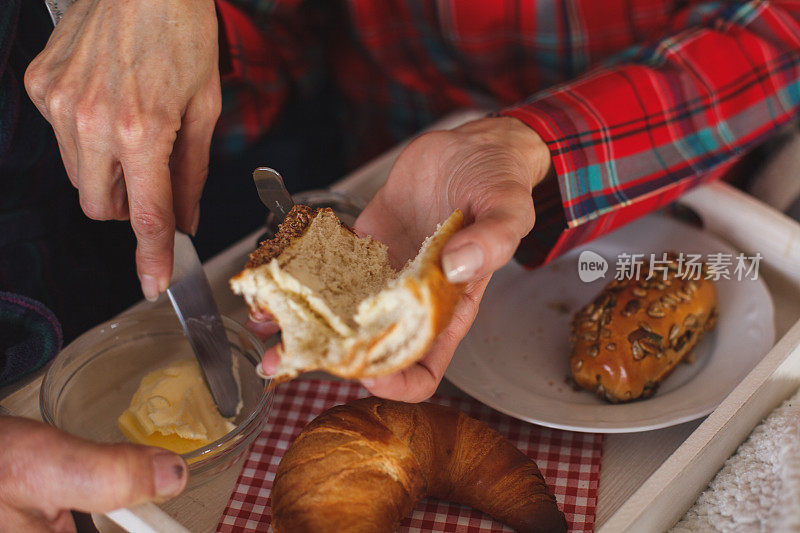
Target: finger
101	185
379	221
500	222
33	522
260	316
150	206
62	523
269	362
263	330
55	471
69	157
189	162
418	382
36	81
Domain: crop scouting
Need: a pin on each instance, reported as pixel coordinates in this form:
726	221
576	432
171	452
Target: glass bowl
91	382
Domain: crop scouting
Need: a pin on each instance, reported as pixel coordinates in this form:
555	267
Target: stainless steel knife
272	192
57	8
276	198
194	304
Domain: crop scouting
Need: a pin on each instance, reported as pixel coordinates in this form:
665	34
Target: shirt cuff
557	230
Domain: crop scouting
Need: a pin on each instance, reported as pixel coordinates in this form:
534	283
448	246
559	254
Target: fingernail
260	372
169	473
150	287
268	367
195	220
462	264
257	317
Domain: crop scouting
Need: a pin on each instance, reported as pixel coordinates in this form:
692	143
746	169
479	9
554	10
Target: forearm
629	138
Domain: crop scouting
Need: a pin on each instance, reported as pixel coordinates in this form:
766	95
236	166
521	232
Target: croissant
362	467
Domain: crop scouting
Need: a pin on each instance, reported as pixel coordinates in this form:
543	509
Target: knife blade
57	8
191	297
272	192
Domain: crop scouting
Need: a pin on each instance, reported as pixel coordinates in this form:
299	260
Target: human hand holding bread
486	169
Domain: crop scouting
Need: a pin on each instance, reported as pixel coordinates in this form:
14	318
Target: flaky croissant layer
363	466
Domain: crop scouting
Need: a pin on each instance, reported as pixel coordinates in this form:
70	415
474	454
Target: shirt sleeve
633	135
267	51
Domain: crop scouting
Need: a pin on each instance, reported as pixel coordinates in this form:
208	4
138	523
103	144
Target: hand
486	168
132	91
44	473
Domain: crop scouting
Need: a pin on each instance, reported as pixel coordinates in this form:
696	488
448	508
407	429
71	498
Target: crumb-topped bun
340	305
635	332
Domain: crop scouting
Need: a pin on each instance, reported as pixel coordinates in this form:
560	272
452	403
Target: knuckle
507	240
151	224
528	218
88	118
96	210
35	80
133	480
58	100
214	106
425	391
133	128
138	129
433	137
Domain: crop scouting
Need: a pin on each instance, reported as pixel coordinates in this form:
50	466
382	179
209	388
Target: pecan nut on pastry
636	331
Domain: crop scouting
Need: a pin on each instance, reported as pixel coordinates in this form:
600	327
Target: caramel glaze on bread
635	332
363	466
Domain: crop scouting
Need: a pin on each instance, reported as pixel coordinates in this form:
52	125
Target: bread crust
433	290
364	465
635	332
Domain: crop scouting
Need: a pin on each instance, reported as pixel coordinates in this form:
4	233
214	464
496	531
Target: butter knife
57	8
190	294
272	192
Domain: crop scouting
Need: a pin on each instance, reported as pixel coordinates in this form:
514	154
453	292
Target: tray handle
721	208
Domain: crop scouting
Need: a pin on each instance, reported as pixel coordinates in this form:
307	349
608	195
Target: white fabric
758	488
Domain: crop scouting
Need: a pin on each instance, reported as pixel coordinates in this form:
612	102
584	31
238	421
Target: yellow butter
173	409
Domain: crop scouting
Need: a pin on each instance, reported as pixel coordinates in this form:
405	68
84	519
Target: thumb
65	472
491	239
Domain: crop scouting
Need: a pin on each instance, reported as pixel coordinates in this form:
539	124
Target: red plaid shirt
638	100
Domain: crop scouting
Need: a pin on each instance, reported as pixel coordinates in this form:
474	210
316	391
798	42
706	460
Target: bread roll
635	332
340	305
362	467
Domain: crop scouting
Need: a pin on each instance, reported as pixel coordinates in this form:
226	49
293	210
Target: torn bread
340	305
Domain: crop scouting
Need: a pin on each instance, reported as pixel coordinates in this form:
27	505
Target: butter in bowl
90	391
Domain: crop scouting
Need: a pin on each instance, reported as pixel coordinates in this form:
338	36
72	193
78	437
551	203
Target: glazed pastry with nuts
635	332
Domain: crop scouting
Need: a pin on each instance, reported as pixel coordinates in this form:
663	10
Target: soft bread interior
340	305
335	266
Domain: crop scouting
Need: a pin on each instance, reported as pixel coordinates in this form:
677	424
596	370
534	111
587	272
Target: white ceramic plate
515	357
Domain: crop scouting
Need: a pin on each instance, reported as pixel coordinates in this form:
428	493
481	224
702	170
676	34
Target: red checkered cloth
570	462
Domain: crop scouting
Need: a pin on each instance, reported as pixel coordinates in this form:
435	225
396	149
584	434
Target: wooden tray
648	480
